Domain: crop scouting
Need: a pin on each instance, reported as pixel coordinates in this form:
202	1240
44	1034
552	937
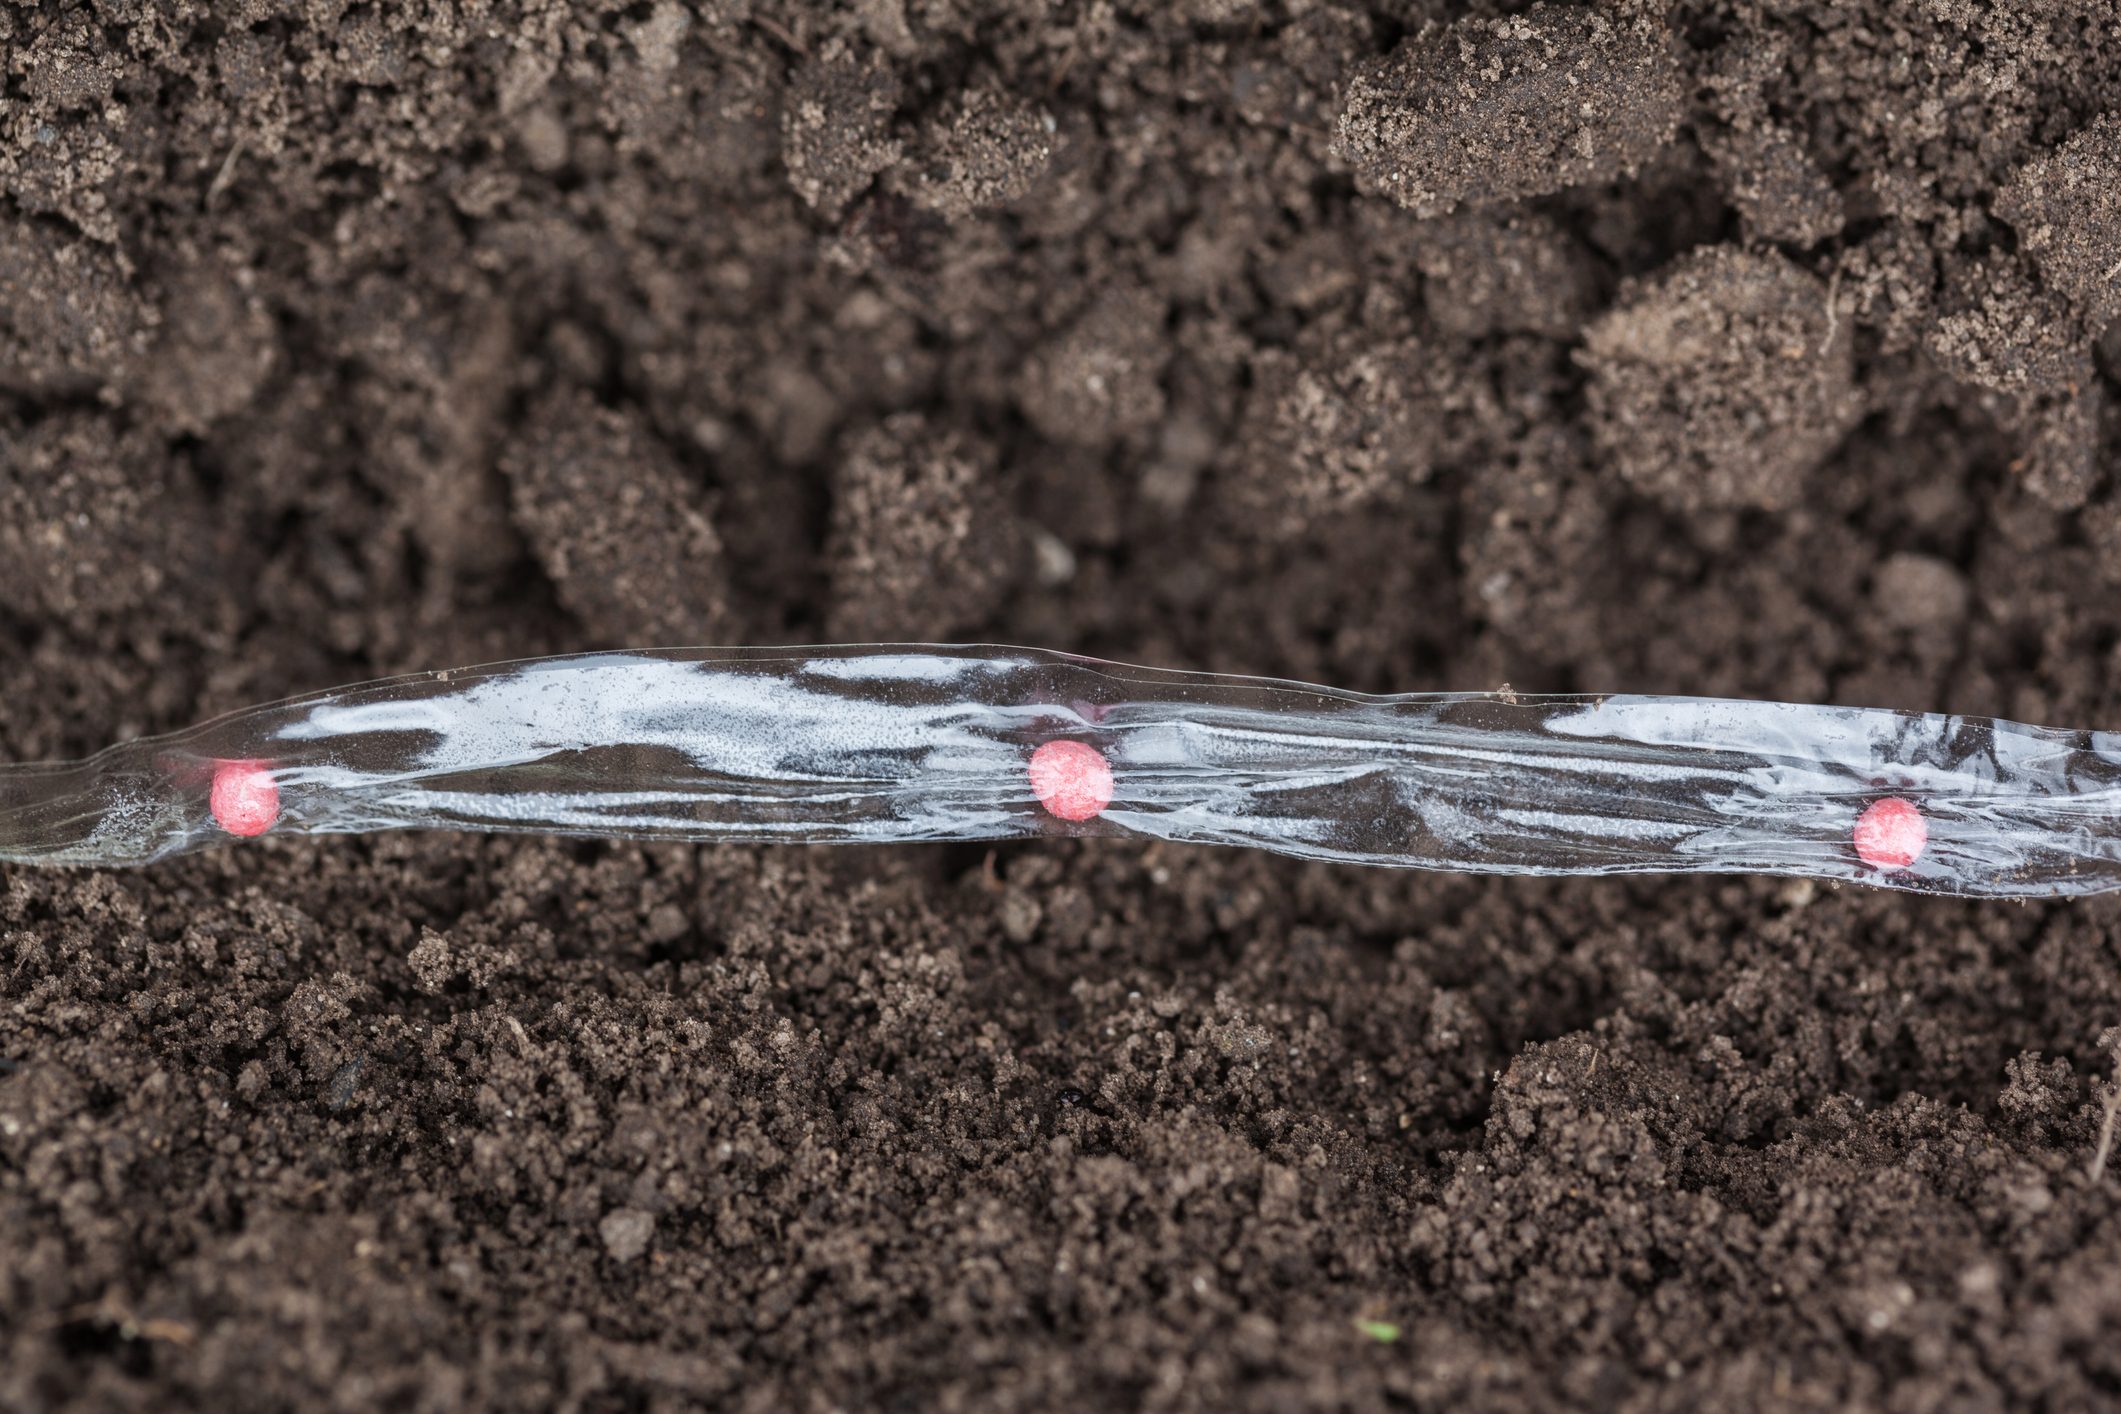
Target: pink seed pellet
246	798
1891	833
1072	779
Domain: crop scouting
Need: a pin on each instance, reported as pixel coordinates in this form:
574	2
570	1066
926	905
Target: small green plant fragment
1383	1332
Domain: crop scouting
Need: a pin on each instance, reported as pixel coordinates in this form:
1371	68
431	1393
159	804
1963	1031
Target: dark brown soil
1733	347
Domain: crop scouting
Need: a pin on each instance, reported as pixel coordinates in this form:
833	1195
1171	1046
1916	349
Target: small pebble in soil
339	1093
626	1233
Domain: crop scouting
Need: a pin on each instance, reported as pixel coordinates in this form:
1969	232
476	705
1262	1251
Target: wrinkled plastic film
886	744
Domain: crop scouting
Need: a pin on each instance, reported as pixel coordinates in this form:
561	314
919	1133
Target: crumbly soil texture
1745	347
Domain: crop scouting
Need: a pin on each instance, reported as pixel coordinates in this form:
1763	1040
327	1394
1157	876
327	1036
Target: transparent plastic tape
899	743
